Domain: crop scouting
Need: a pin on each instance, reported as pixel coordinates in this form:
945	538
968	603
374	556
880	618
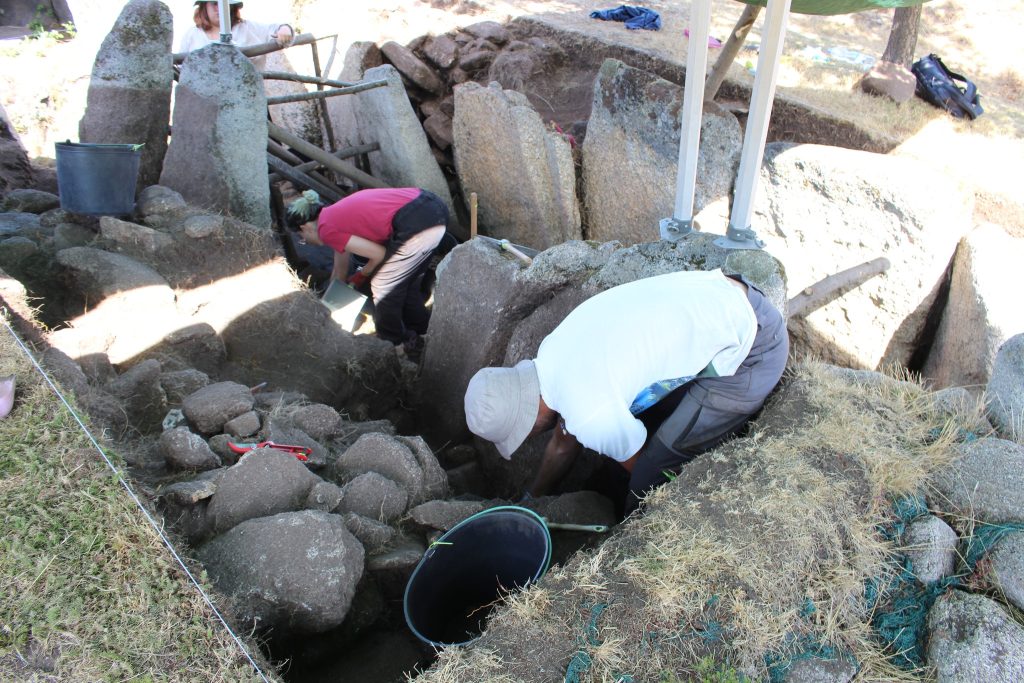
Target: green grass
88	591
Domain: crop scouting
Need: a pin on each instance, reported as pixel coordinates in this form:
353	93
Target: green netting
901	608
831	7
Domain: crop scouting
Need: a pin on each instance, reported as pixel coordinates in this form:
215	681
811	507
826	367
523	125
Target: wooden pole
472	215
260	49
300	78
331	194
729	51
297	164
321	94
326	158
834	286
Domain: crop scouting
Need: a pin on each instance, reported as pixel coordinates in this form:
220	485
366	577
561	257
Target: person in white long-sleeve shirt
243	31
689	355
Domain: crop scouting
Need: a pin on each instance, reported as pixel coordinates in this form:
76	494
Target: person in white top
243	32
692	355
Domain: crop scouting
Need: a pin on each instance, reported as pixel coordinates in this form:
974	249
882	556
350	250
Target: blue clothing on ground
635	17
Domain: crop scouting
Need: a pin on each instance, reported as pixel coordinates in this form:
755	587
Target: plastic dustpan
344	303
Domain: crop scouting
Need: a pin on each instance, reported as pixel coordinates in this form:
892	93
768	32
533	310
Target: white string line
138	503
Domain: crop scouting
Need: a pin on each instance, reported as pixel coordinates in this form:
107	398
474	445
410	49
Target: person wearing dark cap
689	355
396	230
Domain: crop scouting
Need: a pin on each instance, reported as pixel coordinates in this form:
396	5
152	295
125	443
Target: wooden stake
472	215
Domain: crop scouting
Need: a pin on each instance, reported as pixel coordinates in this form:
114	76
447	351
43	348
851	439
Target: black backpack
937	84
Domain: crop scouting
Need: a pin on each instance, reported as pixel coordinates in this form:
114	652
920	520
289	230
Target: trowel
345	304
524	254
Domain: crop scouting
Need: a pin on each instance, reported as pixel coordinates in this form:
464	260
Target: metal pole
225	21
681	222
739	234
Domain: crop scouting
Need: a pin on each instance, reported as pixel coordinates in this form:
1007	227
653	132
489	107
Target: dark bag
937	84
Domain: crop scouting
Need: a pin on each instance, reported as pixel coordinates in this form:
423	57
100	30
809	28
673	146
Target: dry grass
757	550
89	592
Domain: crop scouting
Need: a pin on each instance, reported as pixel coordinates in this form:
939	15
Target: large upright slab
386	116
982	310
521	170
129	100
823	209
631	154
217	158
359	57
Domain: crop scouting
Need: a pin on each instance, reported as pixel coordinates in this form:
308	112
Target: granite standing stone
217	158
521	170
981	313
129	100
386	116
631	154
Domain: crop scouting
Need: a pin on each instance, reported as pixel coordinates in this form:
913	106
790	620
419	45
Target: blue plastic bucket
97	179
479	560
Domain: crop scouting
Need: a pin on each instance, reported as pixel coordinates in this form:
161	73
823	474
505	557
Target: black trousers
399	300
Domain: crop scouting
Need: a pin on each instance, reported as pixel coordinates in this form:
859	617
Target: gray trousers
707	411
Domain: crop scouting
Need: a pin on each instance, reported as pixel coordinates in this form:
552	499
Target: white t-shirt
243	34
619	342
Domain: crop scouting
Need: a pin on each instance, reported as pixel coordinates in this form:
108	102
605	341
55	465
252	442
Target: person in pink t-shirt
396	230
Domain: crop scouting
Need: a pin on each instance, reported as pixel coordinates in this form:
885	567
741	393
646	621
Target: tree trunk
729	51
903	36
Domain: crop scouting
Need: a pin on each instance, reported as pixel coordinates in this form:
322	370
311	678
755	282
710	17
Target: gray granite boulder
375	536
132	239
143	397
412	68
15	169
971	638
218	154
374	496
185	450
631	154
1006	567
129	99
318	420
981	312
156	201
815	670
872	205
930	545
98	274
495	130
296	571
435	481
444	514
385	455
986	482
244	425
1006	390
21	224
263	483
67	235
29	201
324	496
213	405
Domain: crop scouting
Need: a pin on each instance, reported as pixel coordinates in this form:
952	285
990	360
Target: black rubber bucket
97	179
474	564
